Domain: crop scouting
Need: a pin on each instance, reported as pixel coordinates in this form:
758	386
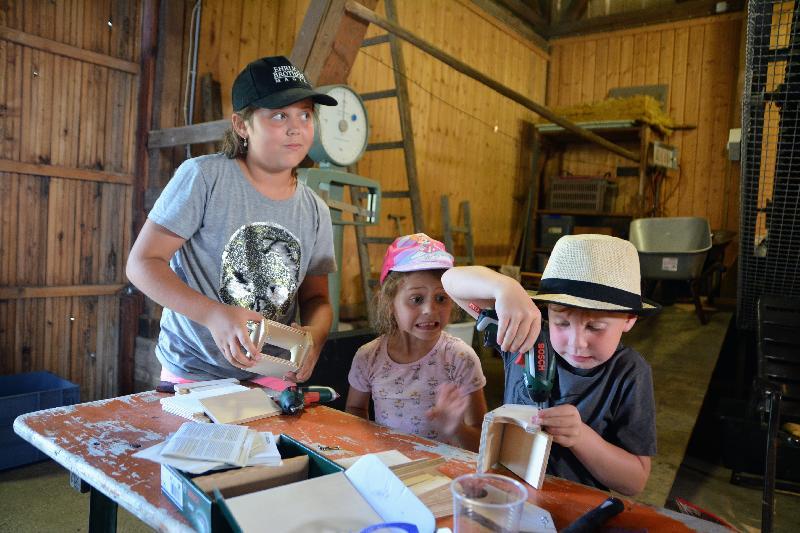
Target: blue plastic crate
25	393
553	227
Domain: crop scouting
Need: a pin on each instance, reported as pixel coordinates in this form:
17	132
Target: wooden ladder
400	92
465	229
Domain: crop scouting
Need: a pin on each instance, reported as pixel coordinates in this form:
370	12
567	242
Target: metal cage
770	181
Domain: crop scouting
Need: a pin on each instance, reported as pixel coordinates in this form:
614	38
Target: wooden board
69	74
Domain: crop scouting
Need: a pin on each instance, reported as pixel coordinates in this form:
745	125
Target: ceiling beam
573	11
521	18
328	41
643	17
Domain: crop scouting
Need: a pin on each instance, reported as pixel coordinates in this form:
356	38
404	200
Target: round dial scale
341	132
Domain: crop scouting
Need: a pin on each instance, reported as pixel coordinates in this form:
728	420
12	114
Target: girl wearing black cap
234	237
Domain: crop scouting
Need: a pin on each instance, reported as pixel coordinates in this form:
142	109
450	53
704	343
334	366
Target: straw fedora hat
595	272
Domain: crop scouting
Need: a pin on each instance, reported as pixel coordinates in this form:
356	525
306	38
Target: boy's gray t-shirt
242	249
615	399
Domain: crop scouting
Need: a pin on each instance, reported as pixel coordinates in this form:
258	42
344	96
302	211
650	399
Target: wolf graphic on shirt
261	269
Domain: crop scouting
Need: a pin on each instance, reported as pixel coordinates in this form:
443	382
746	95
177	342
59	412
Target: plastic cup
487	502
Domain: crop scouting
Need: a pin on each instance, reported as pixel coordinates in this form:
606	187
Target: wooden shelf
578	212
614	133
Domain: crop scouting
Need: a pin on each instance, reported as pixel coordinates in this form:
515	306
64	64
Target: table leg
102	513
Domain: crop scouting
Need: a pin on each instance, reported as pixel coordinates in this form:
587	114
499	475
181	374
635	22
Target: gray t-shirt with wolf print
241	248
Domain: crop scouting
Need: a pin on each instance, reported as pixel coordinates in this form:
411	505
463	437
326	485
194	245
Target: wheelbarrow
673	248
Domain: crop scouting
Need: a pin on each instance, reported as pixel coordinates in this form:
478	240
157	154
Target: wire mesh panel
770	183
577	193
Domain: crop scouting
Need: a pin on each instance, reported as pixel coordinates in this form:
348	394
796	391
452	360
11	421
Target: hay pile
639	108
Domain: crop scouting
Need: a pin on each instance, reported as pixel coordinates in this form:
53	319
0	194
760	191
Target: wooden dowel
370	16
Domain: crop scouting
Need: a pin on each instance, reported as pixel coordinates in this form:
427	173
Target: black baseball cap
273	82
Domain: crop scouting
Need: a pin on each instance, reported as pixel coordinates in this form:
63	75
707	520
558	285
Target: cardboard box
330	499
201	508
508	437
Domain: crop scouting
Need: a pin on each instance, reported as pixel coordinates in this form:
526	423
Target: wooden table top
96	441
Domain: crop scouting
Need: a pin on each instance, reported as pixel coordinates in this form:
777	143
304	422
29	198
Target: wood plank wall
698	59
470	141
68	101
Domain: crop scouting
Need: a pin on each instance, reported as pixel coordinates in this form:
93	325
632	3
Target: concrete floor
683	356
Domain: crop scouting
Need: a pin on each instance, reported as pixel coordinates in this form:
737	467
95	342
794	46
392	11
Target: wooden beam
370	16
325	49
58	291
643	17
544	9
328	41
573	11
519	17
526	11
196	133
70	173
55	47
132	302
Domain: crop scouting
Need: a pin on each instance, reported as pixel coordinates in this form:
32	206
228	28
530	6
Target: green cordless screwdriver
540	363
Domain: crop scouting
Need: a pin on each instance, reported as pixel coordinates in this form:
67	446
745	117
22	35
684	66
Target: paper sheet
262	451
209	442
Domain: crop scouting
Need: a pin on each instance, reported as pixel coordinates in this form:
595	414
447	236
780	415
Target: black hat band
590	291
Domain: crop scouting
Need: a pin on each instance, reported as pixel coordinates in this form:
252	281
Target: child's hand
563	423
228	327
304	372
447	414
519	319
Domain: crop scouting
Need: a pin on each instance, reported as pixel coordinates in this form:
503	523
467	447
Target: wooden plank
268	27
627	46
196	133
45	113
229	61
588	72
639	60
250	31
29	292
55	171
665	62
54	47
656	14
652	53
576	75
337	40
694	79
637	30
519	19
678	88
27	104
601	70
31	234
700	191
366	14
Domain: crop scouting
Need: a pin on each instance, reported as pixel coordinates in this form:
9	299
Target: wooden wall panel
68	101
698	59
468	138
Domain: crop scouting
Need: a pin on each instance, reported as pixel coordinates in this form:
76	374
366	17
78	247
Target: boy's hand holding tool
539	363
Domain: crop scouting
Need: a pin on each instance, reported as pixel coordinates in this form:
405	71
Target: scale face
341	132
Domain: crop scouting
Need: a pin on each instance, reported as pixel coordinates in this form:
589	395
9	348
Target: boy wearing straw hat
601	412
